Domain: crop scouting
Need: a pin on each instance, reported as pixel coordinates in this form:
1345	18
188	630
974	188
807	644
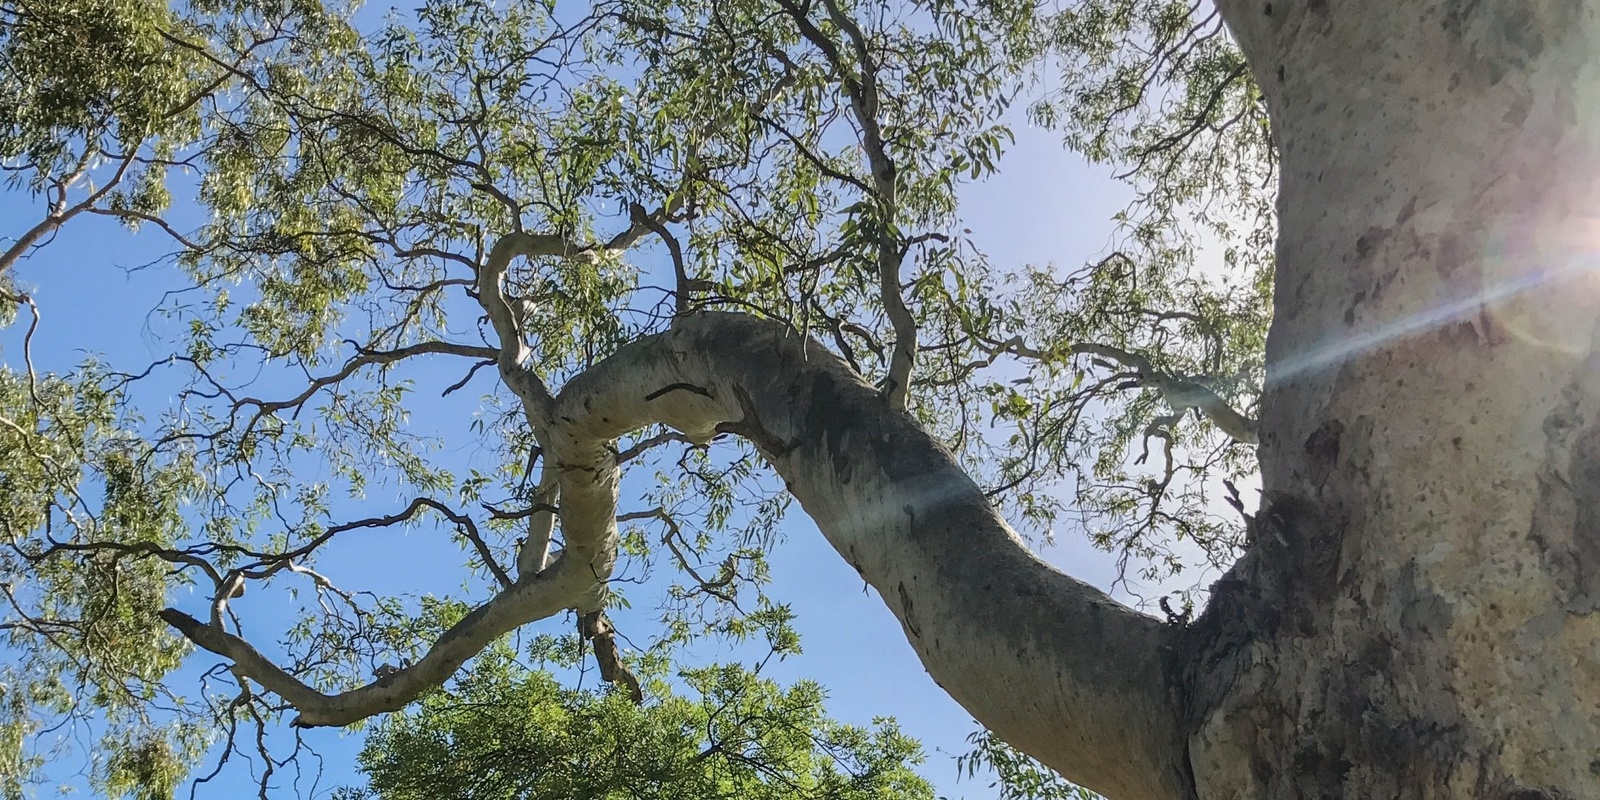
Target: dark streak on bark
910	617
1322	451
1583	583
750	427
677	387
1566	520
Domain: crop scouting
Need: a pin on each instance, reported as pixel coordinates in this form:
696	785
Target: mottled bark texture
1417	615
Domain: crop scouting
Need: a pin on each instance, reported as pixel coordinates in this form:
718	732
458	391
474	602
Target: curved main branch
1052	665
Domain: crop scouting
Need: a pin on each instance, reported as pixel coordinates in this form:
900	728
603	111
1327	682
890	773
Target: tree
504	732
1411	613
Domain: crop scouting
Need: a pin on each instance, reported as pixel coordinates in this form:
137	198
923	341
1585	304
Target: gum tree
1410	613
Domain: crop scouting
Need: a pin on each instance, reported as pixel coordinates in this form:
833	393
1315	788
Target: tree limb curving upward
985	615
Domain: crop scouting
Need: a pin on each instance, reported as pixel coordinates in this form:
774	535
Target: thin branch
1180	394
680	274
643	445
861	88
59	216
364	358
470	531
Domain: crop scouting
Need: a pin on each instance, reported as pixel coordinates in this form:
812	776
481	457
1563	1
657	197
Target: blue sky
1045	205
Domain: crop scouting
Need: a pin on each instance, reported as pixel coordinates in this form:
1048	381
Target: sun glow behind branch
1470	309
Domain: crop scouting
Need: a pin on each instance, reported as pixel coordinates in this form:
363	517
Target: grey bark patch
1521	32
1370	241
839	417
1421	610
1562	421
1517	111
1546	625
1322	451
1583	580
1451	254
1497	39
1457	16
1533	794
1408	211
1566	518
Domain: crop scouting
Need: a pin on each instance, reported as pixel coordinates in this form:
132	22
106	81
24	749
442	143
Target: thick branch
59	215
557	588
861	88
680	273
507	322
535	551
986	616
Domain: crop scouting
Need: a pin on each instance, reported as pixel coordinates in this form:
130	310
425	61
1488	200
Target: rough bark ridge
1416	618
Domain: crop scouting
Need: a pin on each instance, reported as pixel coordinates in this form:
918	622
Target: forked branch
981	611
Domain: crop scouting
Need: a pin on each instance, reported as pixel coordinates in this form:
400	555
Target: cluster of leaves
1157	91
510	728
1017	777
82	582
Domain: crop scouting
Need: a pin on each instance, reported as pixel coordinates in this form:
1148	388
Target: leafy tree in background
506	732
469	190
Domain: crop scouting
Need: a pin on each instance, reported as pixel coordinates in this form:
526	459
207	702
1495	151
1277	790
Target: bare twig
680	274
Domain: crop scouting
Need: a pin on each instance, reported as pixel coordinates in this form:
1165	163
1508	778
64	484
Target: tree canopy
505	732
391	236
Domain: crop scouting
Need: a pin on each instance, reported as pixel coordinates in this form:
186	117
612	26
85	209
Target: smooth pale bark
1417	616
1053	665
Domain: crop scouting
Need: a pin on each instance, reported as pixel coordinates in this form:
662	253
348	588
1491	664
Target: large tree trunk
1417	615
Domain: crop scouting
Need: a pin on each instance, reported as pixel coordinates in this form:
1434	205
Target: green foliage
1018	777
502	731
84	519
101	71
330	184
1158	91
